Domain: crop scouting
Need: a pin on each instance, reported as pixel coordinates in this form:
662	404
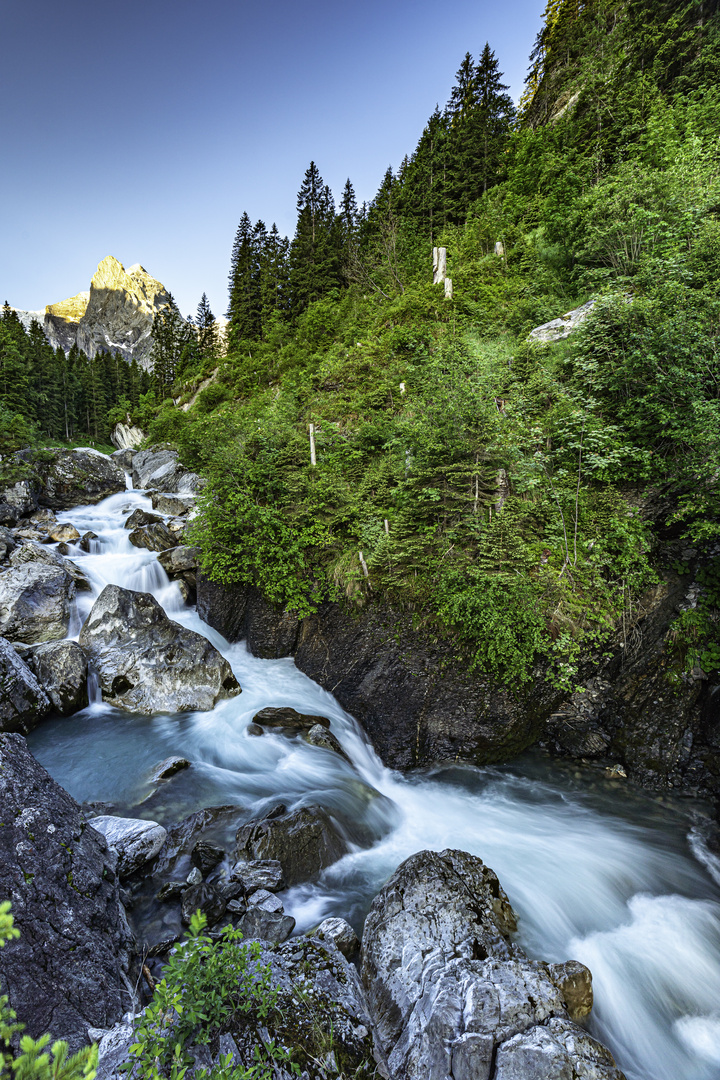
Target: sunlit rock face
116	314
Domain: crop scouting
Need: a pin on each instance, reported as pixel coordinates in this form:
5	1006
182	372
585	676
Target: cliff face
116	314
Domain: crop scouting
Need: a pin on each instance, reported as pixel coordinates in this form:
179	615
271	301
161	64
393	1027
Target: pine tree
207	335
170	334
316	247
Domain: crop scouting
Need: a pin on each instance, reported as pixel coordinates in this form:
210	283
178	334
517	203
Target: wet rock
205	898
260	874
35	602
141	517
70	968
574	981
255	730
168	768
320	736
8	514
261	925
146	662
174	505
206	856
222	607
194	877
44	519
186	591
61	669
64	534
182	837
86	538
304	842
77	477
447	987
155	537
179	559
136	841
289	719
23	702
171	890
270	630
266	900
341	934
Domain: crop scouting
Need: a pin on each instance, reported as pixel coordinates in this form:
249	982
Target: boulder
289	719
174	505
35	602
63	534
87	538
157	468
271	631
179	559
141	517
449	990
146	662
7	543
72	477
136	841
124	458
205	898
167	768
341	934
320	736
266	900
206	856
8	514
61	669
30	552
23	702
260	925
260	874
20	498
69	969
154	537
304	842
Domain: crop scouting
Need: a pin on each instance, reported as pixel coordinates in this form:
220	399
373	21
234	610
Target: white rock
342	933
557	329
135	840
266	900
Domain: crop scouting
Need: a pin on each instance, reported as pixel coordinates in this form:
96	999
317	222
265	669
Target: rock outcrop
451	994
559	329
127	436
135	840
115	315
69	968
23	702
147	663
159	468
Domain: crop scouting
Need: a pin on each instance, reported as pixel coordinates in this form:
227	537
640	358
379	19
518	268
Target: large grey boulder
160	469
448	989
304	842
146	662
135	840
124	458
179	559
20	498
30	552
154	537
126	437
35	602
73	477
23	702
176	505
69	968
61	669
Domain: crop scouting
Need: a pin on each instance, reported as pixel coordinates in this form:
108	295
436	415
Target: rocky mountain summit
116	313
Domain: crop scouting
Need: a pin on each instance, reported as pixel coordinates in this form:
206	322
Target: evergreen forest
371	440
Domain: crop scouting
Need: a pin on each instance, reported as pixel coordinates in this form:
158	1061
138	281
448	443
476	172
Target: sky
144	129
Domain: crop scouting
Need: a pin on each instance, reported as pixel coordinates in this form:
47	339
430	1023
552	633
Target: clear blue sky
144	129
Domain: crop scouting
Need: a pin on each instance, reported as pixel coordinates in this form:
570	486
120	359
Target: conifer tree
207	335
316	247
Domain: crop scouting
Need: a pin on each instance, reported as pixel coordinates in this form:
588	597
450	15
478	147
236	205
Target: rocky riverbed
206	777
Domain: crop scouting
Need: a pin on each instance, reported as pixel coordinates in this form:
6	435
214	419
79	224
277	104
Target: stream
597	870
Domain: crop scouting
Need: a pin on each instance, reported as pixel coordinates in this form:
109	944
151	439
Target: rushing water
597	871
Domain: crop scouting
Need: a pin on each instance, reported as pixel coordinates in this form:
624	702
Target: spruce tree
207	335
315	253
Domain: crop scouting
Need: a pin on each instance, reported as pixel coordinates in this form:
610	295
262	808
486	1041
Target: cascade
598	871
